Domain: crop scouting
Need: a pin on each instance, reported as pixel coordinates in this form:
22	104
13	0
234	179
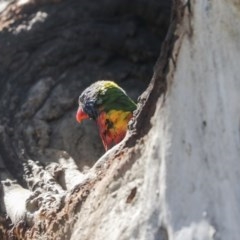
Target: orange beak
81	115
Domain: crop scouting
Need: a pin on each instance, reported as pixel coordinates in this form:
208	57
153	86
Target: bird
110	107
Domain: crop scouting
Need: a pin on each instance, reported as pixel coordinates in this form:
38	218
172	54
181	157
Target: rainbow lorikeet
111	108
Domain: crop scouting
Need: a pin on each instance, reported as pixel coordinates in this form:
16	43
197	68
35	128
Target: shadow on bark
50	52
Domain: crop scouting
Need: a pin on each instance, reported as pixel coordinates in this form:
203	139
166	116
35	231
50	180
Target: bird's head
102	96
111	108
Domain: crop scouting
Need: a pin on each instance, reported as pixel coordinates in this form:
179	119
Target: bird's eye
90	109
80	99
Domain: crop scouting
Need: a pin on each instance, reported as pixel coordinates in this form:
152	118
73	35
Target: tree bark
175	175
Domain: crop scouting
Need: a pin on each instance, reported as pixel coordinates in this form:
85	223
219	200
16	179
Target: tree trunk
175	175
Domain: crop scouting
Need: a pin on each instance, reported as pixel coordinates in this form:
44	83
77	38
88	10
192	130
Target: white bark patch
202	171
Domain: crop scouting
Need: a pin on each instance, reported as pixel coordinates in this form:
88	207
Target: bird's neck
113	126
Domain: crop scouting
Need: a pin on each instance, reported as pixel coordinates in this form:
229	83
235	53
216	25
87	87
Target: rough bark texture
50	51
175	176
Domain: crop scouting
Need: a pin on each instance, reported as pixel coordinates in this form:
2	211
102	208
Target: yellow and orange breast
113	126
